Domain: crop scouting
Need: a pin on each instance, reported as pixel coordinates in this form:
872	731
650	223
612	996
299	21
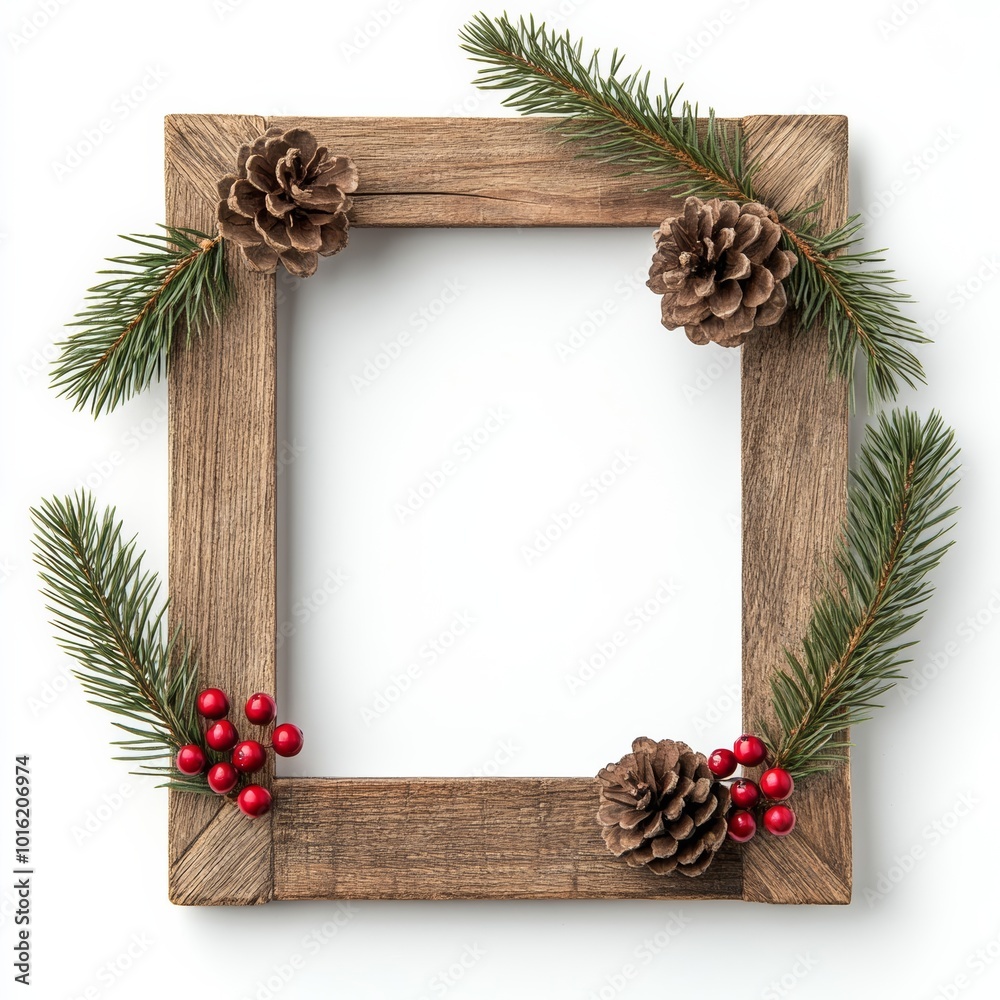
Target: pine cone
719	270
287	201
661	807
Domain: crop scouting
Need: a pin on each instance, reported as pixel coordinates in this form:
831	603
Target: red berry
212	703
222	735
779	820
287	740
776	783
191	759
722	762
744	793
742	826
261	709
254	800
248	757
222	778
750	750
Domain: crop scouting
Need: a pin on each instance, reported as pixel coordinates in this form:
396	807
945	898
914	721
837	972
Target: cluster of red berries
750	798
245	756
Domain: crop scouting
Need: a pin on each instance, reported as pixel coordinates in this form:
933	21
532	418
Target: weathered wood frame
447	838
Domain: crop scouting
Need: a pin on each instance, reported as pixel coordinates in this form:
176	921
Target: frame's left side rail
222	514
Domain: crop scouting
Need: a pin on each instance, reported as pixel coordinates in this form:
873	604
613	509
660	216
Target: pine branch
876	592
618	121
859	304
122	339
109	619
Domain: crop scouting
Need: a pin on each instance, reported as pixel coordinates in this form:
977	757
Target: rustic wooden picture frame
450	838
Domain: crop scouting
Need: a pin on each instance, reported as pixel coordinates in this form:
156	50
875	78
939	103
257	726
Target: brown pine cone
662	808
287	202
719	269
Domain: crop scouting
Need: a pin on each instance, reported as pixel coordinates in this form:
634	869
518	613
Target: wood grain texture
485	838
795	455
222	514
462	838
479	172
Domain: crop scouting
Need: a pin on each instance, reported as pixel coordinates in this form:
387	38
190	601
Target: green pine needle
619	121
109	619
894	537
121	341
616	120
859	304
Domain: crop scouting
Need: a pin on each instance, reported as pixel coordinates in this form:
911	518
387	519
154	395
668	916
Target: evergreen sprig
859	304
110	620
615	120
121	341
874	593
618	121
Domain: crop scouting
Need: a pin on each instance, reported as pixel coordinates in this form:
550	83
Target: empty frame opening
508	508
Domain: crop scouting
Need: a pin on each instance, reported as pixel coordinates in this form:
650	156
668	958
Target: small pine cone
287	202
719	269
662	808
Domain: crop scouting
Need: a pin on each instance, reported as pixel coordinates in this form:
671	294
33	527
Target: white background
916	81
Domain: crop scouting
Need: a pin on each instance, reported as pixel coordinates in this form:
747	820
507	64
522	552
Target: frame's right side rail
794	428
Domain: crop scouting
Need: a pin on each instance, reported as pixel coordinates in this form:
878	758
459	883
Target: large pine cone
719	270
287	201
662	808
